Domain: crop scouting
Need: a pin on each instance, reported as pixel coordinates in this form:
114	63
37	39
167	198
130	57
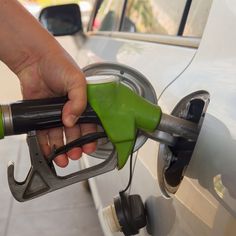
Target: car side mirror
62	19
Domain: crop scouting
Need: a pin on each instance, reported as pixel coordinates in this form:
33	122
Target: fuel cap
127	214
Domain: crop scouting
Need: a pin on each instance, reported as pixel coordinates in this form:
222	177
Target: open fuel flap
173	159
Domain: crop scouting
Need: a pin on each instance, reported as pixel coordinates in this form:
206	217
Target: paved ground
67	212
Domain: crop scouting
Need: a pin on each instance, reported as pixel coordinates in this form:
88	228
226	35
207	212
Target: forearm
22	39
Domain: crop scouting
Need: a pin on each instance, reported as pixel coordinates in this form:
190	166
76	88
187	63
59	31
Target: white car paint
155	61
198	207
213	69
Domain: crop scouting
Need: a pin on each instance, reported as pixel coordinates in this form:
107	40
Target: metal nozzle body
180	127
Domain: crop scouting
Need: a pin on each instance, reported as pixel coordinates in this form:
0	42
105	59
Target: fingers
72	134
86	129
55	137
76	132
43	142
49	139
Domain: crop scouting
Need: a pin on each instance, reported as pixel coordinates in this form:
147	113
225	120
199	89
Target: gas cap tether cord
130	167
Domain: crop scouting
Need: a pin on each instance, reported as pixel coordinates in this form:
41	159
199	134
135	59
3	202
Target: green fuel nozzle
122	113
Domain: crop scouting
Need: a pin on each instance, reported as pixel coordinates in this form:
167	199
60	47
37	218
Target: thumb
76	104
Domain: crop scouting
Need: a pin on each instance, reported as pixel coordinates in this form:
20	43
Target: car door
204	203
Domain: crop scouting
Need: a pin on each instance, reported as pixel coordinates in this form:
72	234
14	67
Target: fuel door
173	160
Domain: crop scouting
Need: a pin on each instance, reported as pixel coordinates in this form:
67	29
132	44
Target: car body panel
153	60
205	203
208	190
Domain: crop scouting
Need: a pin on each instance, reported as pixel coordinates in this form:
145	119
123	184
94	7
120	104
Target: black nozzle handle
39	114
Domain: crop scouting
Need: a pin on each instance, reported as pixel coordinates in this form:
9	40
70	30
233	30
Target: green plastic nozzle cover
122	112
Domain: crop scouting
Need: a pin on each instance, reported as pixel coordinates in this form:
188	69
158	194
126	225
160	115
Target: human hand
56	74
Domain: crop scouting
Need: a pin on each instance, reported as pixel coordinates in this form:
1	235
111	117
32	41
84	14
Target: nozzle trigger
42	177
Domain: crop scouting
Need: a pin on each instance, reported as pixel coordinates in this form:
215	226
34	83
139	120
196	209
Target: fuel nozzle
119	110
171	128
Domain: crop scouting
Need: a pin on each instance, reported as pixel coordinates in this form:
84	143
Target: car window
197	18
108	16
153	16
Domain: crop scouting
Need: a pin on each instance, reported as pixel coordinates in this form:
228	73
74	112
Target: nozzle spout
180	127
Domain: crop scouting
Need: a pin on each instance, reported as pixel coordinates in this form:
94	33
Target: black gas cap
130	212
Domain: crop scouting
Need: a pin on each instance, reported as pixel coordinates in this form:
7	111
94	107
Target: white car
186	50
